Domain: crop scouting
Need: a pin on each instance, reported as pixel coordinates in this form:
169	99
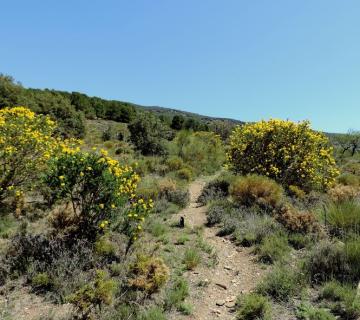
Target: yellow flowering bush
288	152
26	144
99	190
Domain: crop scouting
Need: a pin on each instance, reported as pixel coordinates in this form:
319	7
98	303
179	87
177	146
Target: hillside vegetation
92	192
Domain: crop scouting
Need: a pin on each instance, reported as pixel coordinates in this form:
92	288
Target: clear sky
243	59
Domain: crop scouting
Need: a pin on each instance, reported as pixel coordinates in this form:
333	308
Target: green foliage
326	261
97	188
344	217
256	190
273	248
179	197
254	228
153	313
177	122
176	294
185	309
253	306
104	247
352	255
282	283
349	179
95	294
213	190
308	312
290	153
148	134
343	299
185	174
148	274
191	258
202	151
41	281
175	163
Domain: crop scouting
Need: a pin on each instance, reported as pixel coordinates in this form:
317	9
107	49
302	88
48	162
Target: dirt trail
234	273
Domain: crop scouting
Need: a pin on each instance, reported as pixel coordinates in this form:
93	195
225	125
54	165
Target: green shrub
185	309
148	134
256	190
202	151
288	152
157	229
97	189
299	240
191	258
149	274
217	211
185	174
344	217
175	295
281	283
349	179
100	291
179	197
104	247
217	189
352	254
341	193
182	239
107	134
343	298
273	248
253	306
175	163
308	312
253	228
41	281
326	261
154	313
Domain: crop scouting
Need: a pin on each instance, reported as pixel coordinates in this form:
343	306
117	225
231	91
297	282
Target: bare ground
214	289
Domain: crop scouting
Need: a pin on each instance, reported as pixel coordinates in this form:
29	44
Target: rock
230	299
227	268
220	303
221	285
230	304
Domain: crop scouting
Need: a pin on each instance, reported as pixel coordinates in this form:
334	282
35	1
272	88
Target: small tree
177	122
148	134
290	153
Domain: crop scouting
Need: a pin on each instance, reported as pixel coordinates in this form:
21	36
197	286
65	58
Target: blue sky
243	59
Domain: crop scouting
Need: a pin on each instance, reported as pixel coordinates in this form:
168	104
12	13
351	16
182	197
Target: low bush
273	248
179	197
148	274
343	299
175	163
185	174
41	281
342	193
295	191
299	240
253	306
253	228
349	179
191	258
297	221
176	294
308	312
157	229
214	190
166	186
326	261
352	255
282	283
99	292
153	313
259	190
217	211
343	217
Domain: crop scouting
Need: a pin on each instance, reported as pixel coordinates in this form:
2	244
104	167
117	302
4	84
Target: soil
213	290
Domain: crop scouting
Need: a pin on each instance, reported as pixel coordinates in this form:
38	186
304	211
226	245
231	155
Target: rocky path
214	289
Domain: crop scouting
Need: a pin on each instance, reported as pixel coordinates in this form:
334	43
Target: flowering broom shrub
99	189
26	143
290	153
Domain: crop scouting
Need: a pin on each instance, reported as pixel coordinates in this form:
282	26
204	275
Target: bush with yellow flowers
26	143
99	191
288	152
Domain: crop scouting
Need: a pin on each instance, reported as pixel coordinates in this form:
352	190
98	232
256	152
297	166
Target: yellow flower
101	205
61	177
81	174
